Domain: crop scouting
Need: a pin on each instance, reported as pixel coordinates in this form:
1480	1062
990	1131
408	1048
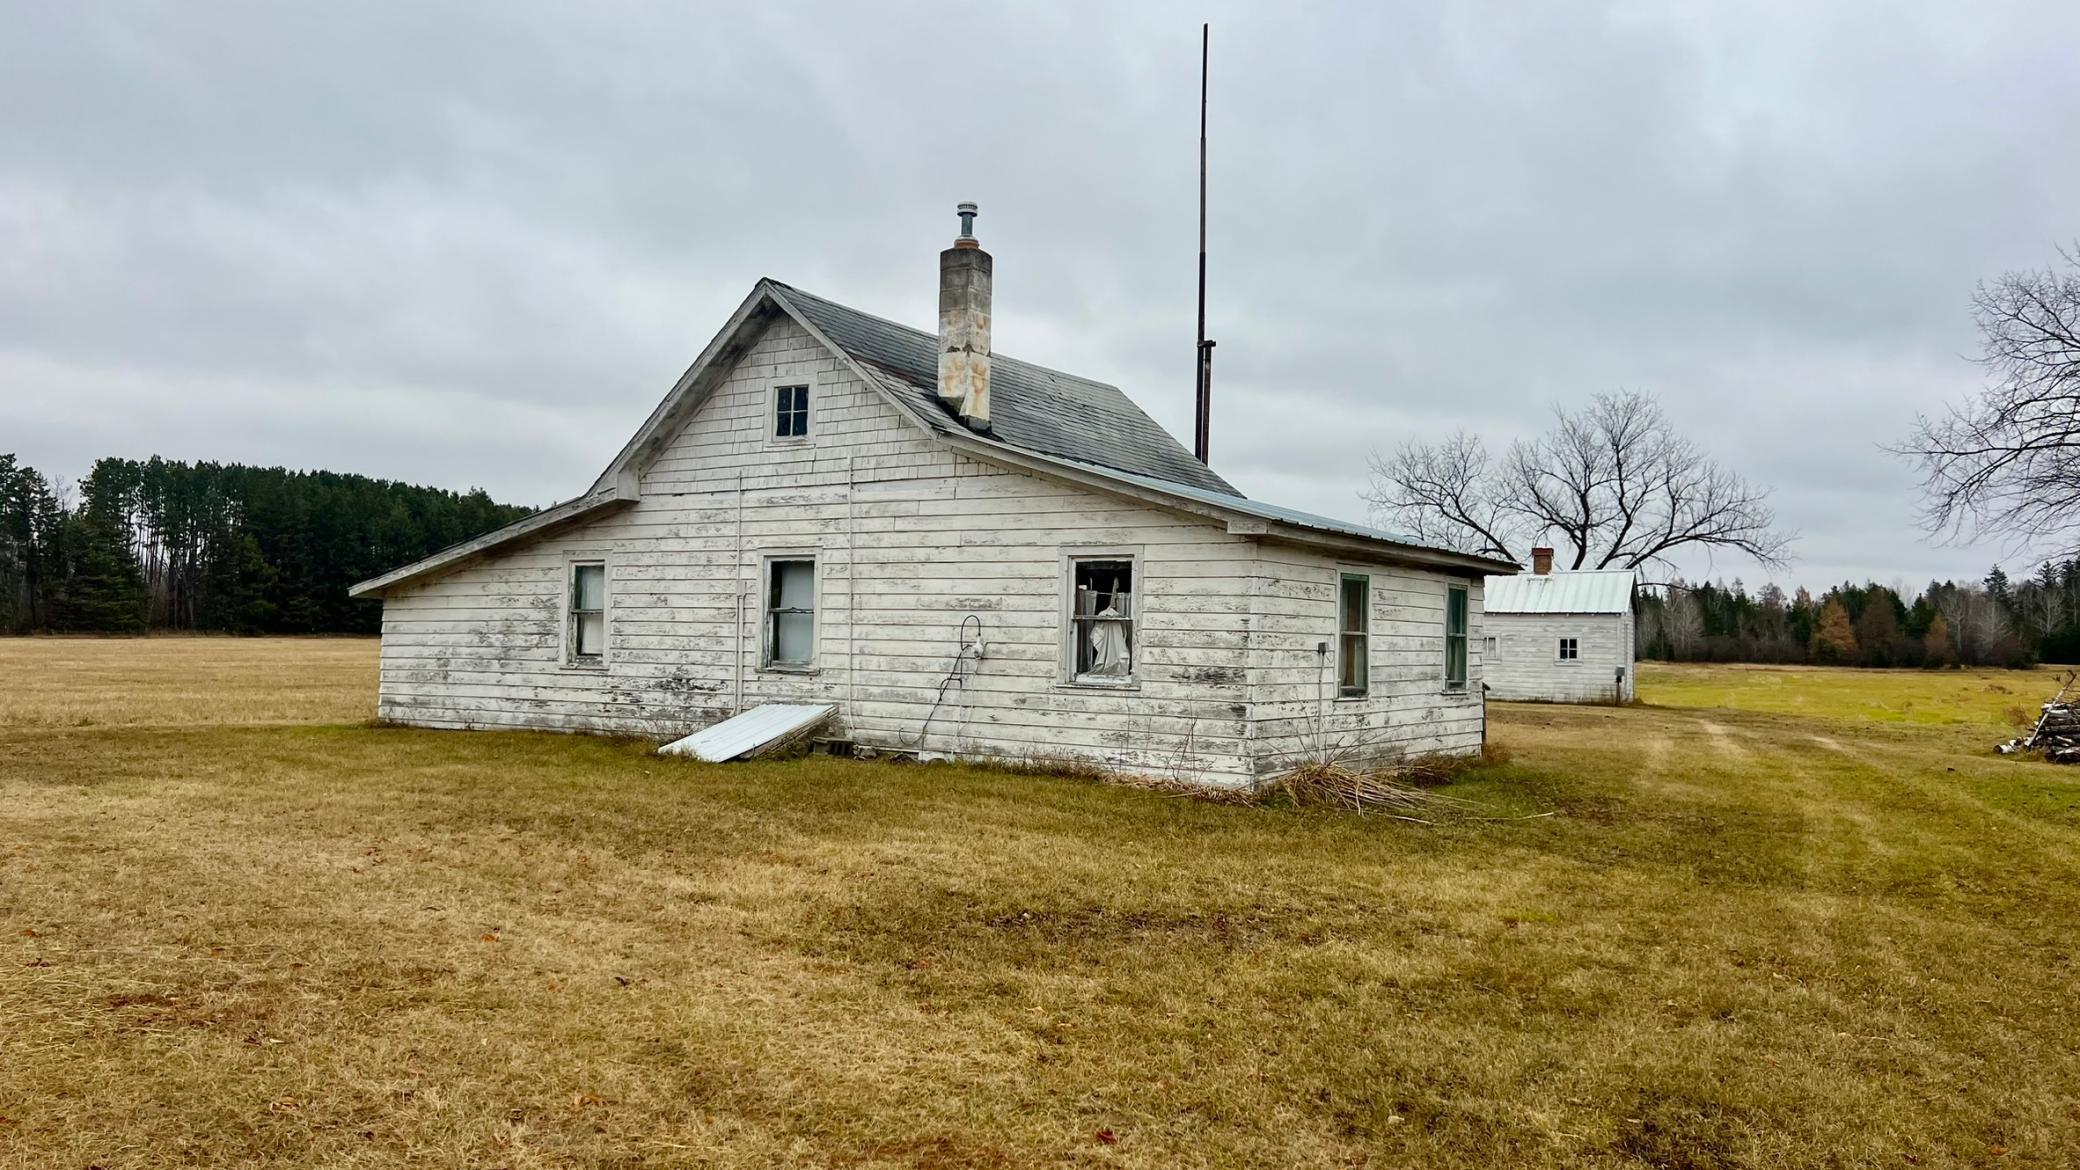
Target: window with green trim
1353	627
1455	637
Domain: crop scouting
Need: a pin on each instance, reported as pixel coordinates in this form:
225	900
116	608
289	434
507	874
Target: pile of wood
2057	734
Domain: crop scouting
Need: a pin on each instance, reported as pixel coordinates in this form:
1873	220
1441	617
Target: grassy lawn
1787	919
1978	698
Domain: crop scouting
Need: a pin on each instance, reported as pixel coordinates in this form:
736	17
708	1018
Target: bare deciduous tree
1611	486
2007	463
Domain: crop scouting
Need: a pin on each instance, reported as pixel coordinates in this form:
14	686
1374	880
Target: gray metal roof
1273	512
1582	591
1031	407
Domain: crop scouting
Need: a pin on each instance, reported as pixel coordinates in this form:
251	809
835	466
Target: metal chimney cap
967	212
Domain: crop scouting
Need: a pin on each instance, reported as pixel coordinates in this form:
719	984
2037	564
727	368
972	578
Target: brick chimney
1541	561
964	287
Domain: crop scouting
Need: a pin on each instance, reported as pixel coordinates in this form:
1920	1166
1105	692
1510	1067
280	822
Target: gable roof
1042	420
1581	591
1032	407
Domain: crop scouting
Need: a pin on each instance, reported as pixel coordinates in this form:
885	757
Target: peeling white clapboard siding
911	538
1295	709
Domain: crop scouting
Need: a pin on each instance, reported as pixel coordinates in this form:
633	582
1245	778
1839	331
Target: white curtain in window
794	618
1111	656
588	607
592	587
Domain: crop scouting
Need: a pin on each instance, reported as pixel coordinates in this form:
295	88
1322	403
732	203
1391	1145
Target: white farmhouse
1559	637
965	554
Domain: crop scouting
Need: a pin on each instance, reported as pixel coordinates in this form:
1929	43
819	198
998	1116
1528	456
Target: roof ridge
1036	407
994	356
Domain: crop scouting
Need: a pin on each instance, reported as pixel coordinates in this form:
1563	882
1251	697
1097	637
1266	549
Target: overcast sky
472	244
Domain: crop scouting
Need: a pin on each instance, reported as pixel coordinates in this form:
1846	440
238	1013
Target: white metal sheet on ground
754	729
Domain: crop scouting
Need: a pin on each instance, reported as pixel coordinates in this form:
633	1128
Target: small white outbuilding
1559	637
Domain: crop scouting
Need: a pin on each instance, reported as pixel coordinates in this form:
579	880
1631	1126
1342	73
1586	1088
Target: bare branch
1613	483
2006	464
1442	494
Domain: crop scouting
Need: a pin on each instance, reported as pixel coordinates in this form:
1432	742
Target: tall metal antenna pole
1203	373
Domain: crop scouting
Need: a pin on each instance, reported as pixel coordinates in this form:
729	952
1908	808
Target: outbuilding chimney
964	286
1541	561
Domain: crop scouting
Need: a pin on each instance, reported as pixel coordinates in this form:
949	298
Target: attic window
1102	620
790	412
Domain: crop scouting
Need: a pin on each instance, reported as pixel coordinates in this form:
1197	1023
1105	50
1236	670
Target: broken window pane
1103	613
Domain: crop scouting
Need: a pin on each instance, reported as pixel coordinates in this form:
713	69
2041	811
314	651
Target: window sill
783	668
1077	684
594	667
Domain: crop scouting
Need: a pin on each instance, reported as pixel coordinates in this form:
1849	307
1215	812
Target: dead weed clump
1401	790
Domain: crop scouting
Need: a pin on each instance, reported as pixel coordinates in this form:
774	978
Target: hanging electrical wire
954	676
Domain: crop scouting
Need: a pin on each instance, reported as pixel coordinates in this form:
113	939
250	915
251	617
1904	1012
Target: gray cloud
471	244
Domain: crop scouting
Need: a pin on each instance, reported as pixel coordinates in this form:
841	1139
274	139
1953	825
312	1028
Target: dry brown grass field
1766	924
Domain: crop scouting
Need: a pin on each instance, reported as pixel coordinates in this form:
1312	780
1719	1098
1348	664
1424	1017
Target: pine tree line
160	545
1996	622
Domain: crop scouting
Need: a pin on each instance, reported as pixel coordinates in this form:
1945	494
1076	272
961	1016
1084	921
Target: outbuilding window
790	634
790	412
1455	637
1101	627
587	631
1353	623
1570	649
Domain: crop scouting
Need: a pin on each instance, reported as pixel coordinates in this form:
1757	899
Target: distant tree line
1995	622
159	545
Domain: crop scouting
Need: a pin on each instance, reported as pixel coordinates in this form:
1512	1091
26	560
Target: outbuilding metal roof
1582	591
